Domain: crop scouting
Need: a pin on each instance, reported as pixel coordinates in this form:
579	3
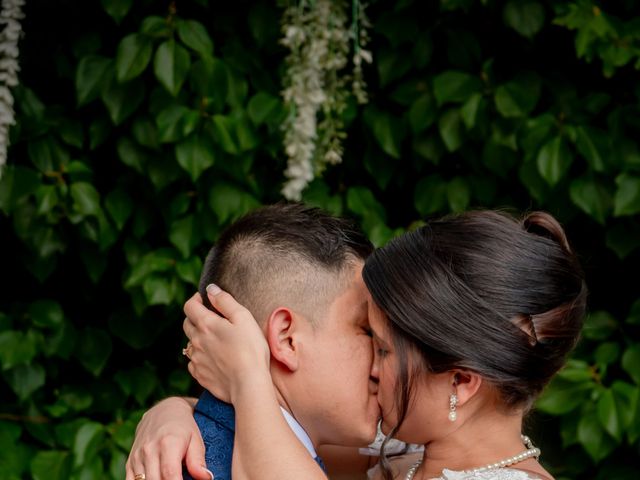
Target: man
298	270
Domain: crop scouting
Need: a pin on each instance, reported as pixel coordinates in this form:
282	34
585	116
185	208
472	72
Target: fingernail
213	289
209	472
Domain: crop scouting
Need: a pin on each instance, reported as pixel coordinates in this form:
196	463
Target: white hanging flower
10	31
316	34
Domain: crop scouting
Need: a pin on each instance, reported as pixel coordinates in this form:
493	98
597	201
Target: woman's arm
166	434
229	356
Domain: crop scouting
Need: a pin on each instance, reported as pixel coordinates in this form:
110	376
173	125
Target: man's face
341	405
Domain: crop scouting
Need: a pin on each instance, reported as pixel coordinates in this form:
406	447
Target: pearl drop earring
453	401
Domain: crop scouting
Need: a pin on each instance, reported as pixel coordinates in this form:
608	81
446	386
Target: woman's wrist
254	384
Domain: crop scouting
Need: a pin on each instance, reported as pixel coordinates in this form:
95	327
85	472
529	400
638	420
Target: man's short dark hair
289	255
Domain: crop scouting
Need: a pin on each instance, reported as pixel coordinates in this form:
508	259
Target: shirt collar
300	433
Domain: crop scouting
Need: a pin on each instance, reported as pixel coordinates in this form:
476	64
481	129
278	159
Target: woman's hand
166	434
226	353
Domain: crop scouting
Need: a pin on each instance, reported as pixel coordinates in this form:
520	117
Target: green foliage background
145	127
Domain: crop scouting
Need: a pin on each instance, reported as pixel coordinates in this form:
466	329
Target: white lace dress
497	474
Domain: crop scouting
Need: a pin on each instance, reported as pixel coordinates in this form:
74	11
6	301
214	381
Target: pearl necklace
531	451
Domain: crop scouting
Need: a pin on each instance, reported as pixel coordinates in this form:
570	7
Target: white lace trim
497	474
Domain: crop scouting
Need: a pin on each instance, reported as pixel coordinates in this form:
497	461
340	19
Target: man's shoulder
210	409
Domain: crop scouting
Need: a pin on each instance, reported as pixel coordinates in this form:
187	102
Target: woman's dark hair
484	292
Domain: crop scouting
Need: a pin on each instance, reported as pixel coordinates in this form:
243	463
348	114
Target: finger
134	466
170	464
197	313
151	465
128	469
188	328
195	460
226	304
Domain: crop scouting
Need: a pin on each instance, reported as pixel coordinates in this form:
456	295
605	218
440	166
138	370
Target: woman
471	316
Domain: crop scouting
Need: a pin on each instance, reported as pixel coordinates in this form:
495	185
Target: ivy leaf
171	65
51	465
524	16
631	362
261	106
423	113
87	442
120	206
176	122
518	97
599	325
132	57
91	75
634	314
86	199
606	353
139	382
117	9
458	194
184	235
609	414
594	145
360	200
561	397
592	197
430	195
554	160
16	348
230	203
195	36
623	239
209	77
155	26
195	155
25	379
161	290
627	197
223	128
388	131
454	86
189	270
451	129
46	314
593	437
470	110
47	154
145	132
132	155
93	349
122	100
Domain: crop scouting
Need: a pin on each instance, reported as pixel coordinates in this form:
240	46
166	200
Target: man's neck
292	420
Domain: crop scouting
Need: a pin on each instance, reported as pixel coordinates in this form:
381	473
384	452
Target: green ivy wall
144	128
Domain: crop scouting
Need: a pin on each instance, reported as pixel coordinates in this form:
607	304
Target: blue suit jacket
216	421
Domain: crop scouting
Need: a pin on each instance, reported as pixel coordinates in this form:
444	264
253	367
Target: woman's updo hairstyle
485	292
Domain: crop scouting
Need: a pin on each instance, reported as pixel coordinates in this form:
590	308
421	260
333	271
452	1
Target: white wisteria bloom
10	31
316	34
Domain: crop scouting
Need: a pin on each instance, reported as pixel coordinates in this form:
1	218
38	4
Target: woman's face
427	412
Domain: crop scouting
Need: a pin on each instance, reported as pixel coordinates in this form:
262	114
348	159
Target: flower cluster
10	16
315	86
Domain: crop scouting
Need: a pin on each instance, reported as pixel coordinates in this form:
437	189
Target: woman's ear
465	384
280	330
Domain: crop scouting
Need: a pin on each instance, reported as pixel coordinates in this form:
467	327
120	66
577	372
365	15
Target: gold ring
139	476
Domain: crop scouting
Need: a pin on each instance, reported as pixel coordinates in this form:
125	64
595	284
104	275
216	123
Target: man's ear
466	384
280	329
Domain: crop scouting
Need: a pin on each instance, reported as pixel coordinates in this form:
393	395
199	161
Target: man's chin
365	437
